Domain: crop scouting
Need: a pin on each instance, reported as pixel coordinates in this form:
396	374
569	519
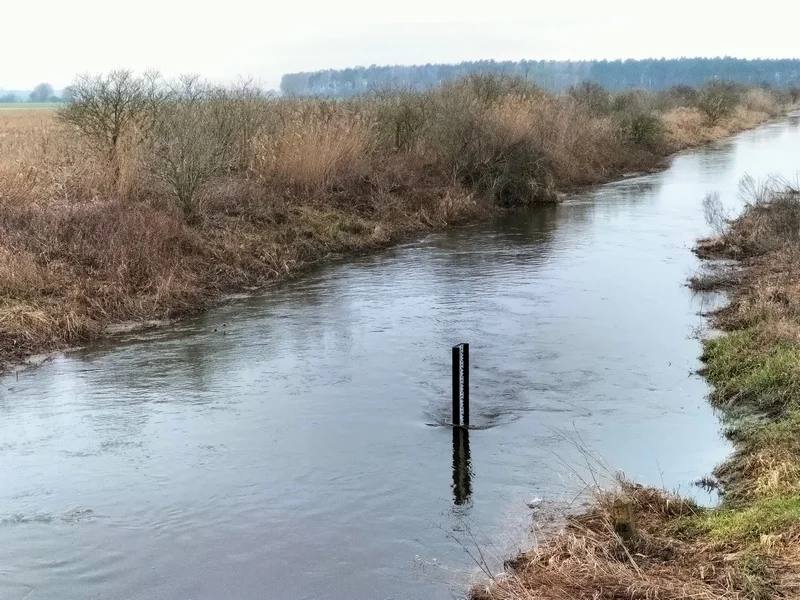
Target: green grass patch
755	576
746	524
767	459
784	432
746	367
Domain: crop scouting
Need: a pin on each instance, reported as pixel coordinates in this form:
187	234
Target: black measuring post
465	383
456	386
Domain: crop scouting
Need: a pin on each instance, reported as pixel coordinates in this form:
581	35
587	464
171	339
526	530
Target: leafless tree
106	107
717	100
194	134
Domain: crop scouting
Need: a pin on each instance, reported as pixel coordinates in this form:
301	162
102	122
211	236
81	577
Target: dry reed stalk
310	156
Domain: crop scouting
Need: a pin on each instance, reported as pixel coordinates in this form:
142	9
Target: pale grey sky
52	40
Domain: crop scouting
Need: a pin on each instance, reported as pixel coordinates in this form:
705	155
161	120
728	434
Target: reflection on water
277	447
717	158
462	466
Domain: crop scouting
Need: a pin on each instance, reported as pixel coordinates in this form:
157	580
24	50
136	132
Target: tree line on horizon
557	76
43	92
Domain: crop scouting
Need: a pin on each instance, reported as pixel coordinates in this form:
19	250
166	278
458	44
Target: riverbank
94	235
748	546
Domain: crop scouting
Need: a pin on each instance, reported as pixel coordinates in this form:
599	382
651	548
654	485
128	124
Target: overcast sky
52	40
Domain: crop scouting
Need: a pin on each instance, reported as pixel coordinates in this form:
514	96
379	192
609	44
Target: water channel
286	446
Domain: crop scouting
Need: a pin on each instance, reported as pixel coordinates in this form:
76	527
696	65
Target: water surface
281	447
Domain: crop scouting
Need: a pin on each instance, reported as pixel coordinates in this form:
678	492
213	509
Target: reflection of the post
462	468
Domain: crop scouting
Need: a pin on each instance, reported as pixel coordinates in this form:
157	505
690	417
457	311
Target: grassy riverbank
203	191
749	547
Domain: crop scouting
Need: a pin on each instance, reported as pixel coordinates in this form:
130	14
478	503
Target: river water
284	445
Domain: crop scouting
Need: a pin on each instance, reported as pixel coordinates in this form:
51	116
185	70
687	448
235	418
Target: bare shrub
402	117
106	107
644	130
487	88
632	102
593	96
717	100
715	214
769	223
677	96
771	218
193	136
455	128
494	150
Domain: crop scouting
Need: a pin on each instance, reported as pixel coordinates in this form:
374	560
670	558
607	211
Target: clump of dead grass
666	559
311	155
687	126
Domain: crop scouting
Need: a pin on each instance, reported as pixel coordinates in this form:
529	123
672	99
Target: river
286	446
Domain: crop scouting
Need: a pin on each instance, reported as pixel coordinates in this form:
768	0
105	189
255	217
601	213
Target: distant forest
650	74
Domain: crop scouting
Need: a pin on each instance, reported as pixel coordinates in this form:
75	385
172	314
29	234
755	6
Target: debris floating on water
534	503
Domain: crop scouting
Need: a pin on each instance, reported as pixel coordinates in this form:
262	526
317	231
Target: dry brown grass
311	156
78	253
758	100
688	127
40	161
666	559
85	243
